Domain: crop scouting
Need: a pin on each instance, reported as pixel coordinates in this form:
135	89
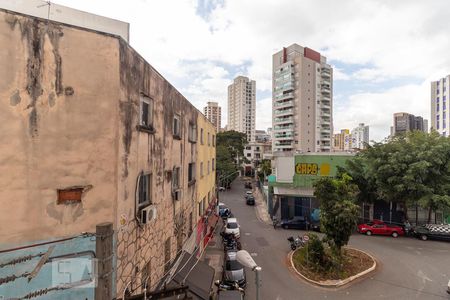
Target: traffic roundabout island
357	264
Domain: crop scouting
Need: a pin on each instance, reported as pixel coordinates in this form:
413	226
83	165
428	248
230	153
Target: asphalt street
408	268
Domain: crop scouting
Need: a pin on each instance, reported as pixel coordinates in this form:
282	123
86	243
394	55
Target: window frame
176	135
192	132
149	201
176	174
202	141
191	173
148	125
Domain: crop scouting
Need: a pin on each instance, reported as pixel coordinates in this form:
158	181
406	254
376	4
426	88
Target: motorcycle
275	222
226	214
222	286
297	242
230	242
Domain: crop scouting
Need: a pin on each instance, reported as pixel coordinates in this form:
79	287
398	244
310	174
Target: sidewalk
214	252
262	212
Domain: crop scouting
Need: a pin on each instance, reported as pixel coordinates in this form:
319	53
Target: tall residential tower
242	106
302	100
213	112
440	93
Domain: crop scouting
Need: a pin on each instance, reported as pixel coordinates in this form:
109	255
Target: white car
232	226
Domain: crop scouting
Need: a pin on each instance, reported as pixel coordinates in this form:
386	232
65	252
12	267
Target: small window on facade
176	178
201	169
249	154
176	126
192	133
209	140
213	166
200	209
146	117
145	190
208	167
191	172
214	140
201	136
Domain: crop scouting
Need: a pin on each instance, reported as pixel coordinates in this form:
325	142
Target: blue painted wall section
68	273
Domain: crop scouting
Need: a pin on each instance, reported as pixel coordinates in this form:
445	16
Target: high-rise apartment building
440	93
360	137
302	100
213	112
404	122
242	106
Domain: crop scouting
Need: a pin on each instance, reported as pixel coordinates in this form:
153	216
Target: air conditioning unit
148	214
176	195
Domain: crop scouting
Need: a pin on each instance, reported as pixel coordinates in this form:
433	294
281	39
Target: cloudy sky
384	52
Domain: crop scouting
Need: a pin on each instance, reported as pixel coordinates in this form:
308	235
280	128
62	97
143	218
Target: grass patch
352	262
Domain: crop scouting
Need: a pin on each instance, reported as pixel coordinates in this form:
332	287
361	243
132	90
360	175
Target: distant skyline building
342	141
360	137
213	112
242	106
405	122
262	136
440	93
302	100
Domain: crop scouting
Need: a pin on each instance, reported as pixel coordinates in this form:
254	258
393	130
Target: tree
229	146
338	212
409	169
265	169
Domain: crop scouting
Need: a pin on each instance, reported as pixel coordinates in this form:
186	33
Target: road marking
247	233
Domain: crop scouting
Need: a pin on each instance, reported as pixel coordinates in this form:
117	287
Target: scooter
297	242
275	222
227	286
230	242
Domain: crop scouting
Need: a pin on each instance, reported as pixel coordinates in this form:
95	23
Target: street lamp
245	259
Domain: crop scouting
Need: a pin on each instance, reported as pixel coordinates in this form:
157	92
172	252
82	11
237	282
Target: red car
381	228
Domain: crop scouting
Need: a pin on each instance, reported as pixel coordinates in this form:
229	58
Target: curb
335	283
261	208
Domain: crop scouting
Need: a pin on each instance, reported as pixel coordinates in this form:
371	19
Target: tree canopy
338	211
229	146
408	169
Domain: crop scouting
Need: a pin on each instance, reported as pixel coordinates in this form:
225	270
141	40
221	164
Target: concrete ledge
335	283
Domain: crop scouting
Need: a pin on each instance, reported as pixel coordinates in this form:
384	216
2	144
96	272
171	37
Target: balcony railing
284	104
284	96
283	127
284	112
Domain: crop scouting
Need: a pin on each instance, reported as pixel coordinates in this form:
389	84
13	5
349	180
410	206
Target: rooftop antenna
48	4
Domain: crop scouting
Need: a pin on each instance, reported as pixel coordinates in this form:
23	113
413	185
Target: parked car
298	222
233	271
221	189
221	208
250	200
248	184
248	193
433	231
230	295
232	226
380	228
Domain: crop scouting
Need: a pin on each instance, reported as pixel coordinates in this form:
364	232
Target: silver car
233	271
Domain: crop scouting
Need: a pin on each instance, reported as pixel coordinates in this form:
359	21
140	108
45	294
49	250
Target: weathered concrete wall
206	182
141	248
59	91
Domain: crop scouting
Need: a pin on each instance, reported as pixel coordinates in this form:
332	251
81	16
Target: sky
384	53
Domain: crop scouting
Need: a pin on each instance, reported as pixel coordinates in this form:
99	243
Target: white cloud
264	113
377	109
391	39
